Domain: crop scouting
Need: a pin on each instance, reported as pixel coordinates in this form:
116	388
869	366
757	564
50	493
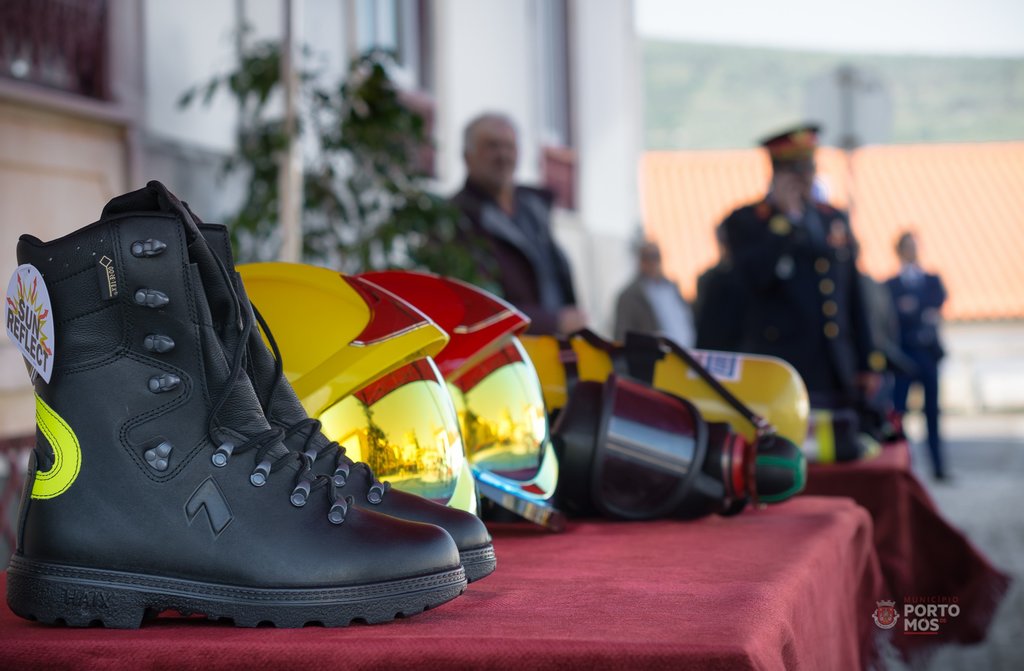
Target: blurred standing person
918	297
796	258
720	304
513	223
651	303
885	332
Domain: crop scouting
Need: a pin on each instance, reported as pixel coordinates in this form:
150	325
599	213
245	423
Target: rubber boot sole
479	562
80	597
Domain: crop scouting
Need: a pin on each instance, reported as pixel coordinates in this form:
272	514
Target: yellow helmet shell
767	385
361	331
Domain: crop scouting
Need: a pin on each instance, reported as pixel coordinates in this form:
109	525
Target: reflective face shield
501	413
505	428
365	370
404	426
495	390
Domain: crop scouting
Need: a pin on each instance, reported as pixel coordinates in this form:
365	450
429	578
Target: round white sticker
29	318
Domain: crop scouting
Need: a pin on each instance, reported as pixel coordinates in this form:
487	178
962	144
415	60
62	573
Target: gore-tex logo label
107	277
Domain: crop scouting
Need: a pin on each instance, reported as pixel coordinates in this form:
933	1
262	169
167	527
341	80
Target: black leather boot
174	491
303	435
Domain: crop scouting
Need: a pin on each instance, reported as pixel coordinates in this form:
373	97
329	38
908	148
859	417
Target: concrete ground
985	500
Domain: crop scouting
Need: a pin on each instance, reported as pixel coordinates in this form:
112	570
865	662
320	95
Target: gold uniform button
826	286
876	361
831	330
830	308
822	265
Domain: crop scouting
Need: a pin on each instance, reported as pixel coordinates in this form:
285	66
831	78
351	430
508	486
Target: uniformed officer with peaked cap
796	257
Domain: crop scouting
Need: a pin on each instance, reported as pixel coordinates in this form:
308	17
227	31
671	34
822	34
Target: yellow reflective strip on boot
67	454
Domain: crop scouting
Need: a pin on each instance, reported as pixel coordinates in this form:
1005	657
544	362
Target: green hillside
713	97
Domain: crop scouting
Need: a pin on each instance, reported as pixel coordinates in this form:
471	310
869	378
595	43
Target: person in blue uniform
796	258
918	297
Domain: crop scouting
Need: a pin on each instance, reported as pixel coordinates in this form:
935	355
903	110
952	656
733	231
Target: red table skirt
791	586
921	554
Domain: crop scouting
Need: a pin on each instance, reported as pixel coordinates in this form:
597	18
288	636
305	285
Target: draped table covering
791	586
924	559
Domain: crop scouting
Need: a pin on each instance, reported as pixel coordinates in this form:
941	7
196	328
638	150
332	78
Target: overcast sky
946	27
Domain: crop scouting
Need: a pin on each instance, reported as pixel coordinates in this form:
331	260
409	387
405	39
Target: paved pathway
985	500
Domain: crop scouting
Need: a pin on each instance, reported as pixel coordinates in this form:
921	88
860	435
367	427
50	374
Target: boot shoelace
343	464
263	442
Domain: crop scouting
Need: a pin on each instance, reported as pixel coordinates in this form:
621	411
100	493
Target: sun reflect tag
29	318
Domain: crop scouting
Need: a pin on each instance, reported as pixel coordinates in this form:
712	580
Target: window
396	26
553	49
555	96
59	44
403	28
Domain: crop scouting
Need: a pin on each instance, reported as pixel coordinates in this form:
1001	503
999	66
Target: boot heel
57	599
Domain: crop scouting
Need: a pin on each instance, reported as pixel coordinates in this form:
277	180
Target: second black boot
303	435
157	483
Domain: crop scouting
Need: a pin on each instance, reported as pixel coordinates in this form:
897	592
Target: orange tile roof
965	202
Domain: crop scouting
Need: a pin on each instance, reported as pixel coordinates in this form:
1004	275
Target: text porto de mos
917	615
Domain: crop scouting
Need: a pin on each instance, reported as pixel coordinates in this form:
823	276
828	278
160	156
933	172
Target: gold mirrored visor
502	416
404	426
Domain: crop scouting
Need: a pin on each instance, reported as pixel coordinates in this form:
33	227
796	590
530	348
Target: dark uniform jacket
917	305
719	308
513	258
805	303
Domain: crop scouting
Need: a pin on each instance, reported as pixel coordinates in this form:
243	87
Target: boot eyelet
338	510
158	384
151	298
376	493
300	494
160	344
340	476
220	457
158	457
258	477
147	248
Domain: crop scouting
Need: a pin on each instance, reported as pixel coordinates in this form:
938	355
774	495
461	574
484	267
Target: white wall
186	42
483	62
606	76
984	367
608	127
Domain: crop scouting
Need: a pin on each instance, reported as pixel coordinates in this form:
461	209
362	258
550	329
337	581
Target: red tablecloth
921	554
789	587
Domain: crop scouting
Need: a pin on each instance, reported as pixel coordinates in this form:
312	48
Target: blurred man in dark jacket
796	257
918	297
513	223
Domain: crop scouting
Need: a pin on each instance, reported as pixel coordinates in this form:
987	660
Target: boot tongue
154	197
271	388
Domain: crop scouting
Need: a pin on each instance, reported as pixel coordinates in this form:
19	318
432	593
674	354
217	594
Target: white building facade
566	71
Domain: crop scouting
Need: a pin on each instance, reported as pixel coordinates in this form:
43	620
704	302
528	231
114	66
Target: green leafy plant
366	204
